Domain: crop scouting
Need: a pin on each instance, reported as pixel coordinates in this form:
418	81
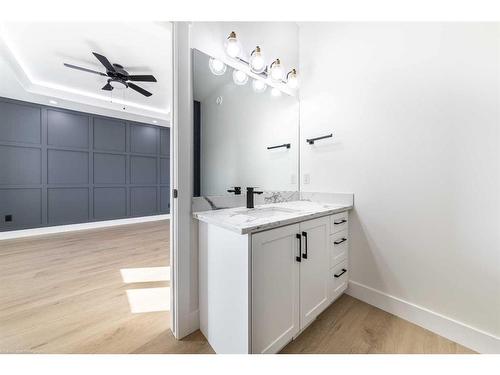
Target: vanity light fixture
240	77
232	45
275	92
259	86
257	63
276	71
216	66
291	79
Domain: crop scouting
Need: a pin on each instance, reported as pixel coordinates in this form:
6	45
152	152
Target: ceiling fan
118	77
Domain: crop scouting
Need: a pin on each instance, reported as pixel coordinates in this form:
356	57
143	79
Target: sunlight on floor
145	275
149	299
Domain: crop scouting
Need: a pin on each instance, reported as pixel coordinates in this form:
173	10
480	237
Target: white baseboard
83	226
470	337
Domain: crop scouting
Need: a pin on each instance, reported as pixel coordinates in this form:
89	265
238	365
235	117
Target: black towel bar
287	145
312	140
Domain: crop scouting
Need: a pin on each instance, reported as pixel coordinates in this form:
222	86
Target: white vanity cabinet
289	281
258	291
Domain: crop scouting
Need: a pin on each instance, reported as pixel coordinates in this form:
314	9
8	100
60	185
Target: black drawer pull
339	242
340	222
304	255
298	258
340	274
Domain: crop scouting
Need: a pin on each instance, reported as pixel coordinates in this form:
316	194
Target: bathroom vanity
266	273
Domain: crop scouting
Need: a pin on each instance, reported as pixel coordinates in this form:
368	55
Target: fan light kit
118	77
257	64
116	84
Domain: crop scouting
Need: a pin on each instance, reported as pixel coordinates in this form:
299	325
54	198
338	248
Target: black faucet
236	190
250	193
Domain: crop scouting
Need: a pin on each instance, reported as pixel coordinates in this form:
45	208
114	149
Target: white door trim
185	318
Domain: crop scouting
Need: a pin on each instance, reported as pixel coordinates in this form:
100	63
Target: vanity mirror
245	132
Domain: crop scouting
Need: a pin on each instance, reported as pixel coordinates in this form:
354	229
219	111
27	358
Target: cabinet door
314	269
275	288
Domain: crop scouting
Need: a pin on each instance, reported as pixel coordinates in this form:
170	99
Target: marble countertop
266	216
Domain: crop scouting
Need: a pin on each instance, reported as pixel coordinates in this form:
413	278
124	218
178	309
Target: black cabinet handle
297	258
340	222
304	255
340	274
339	242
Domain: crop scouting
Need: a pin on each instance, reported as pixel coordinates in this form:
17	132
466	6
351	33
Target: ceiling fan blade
104	61
139	89
85	69
108	87
142	78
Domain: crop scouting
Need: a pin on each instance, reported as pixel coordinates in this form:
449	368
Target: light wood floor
350	326
65	294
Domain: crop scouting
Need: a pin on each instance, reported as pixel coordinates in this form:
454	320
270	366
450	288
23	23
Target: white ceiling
36	51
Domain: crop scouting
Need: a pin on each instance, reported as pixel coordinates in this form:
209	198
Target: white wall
415	113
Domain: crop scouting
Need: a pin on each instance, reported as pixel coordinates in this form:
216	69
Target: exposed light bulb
232	45
52	101
276	70
275	92
257	63
216	66
239	77
258	86
291	79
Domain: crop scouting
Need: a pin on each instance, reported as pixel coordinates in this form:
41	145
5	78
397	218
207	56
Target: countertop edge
280	223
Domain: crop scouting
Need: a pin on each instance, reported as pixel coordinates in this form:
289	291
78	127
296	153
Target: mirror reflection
245	132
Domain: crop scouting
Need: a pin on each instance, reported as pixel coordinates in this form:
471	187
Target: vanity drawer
339	277
339	246
339	222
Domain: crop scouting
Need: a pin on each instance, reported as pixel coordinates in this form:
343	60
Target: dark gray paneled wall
64	167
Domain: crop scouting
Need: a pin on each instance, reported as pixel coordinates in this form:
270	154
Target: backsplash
219	202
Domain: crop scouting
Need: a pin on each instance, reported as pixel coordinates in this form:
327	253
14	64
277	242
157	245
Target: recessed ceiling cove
39	50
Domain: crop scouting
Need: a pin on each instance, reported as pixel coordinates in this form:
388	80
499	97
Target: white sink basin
258	213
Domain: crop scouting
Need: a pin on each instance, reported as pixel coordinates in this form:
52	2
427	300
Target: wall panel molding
85	167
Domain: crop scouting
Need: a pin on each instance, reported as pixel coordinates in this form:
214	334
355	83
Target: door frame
183	250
